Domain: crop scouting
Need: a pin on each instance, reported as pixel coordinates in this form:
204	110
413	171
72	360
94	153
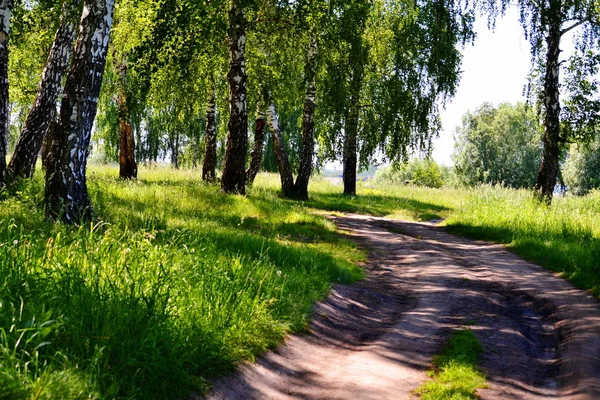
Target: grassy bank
176	283
564	237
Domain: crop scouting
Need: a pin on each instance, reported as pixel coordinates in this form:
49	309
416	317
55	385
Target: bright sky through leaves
494	70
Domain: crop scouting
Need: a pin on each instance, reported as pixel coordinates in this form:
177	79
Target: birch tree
66	190
292	79
127	164
397	62
5	11
234	167
259	144
210	141
43	112
569	105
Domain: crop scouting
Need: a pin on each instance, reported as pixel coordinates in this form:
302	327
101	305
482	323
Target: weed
455	374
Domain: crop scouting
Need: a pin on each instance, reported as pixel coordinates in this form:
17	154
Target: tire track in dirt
376	339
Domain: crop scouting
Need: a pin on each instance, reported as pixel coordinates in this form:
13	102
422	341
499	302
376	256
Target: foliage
456	375
33	25
582	168
498	146
421	172
579	89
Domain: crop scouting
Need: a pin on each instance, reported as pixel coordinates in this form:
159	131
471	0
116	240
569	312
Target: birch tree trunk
308	122
351	150
234	167
43	112
66	190
548	171
175	151
283	164
127	166
259	144
210	141
5	11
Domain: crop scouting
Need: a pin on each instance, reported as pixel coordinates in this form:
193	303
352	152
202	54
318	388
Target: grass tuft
455	374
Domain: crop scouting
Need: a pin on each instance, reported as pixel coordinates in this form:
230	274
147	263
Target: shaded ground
376	339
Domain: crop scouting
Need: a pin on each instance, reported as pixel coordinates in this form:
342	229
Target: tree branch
575	25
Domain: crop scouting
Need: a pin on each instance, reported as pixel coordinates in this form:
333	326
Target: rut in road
376	339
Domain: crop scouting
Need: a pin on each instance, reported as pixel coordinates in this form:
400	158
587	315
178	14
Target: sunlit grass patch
564	237
455	374
175	283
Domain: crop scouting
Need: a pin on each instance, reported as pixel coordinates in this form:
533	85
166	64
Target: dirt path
376	339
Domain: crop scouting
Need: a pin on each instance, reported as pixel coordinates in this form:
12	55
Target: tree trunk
175	151
127	166
259	144
283	164
43	112
548	171
196	147
308	122
350	151
5	10
210	141
66	190
234	167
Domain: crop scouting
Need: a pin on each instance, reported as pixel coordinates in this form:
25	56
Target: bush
418	172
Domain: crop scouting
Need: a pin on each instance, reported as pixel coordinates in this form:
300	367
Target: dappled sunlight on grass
175	283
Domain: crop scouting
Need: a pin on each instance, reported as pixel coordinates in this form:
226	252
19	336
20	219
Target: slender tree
384	92
234	166
5	11
210	141
127	165
570	106
283	164
308	120
358	60
66	190
43	112
259	144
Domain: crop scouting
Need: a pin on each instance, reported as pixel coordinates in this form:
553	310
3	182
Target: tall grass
455	374
175	284
564	237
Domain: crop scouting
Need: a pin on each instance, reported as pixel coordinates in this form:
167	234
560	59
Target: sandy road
376	339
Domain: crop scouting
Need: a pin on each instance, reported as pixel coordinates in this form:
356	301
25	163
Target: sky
494	70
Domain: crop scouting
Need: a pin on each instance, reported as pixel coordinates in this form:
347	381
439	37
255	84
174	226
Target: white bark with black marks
548	172
43	112
66	190
210	141
283	164
234	166
308	122
5	12
259	144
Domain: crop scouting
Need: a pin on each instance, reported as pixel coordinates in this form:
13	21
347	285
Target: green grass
176	283
564	237
455	374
